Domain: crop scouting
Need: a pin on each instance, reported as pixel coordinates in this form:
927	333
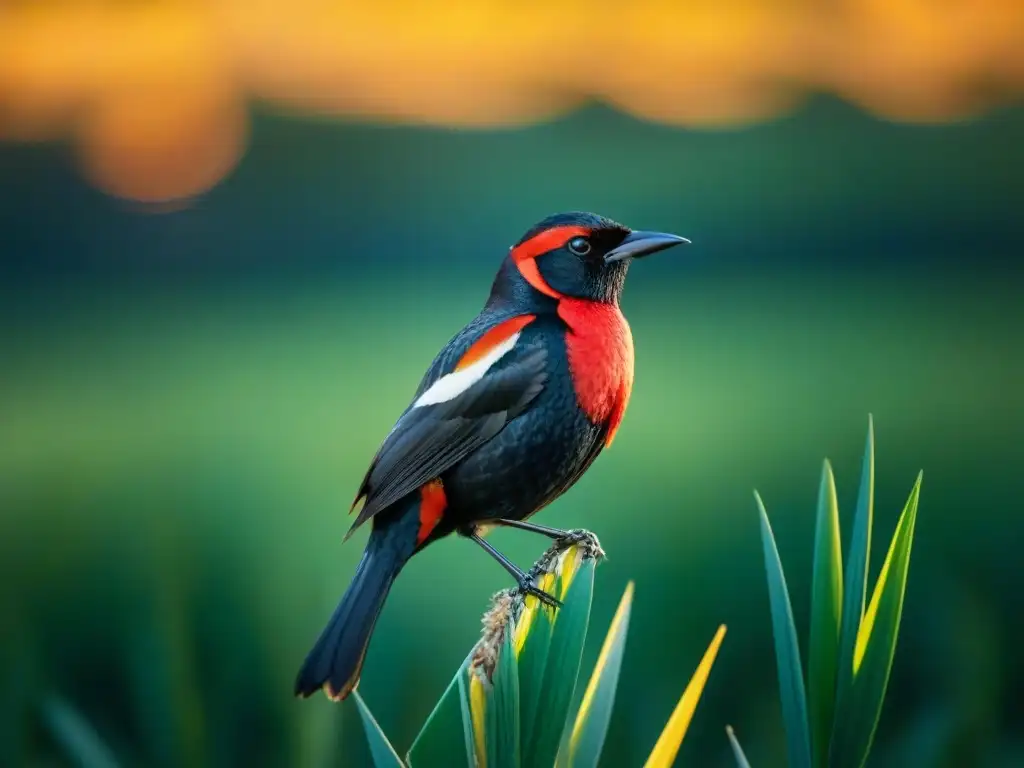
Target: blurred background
234	233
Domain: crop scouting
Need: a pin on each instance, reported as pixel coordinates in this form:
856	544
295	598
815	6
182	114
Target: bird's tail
336	660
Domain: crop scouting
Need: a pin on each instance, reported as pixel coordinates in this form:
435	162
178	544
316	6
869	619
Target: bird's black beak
639	244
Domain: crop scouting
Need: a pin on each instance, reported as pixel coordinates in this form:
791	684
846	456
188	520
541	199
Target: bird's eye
580	246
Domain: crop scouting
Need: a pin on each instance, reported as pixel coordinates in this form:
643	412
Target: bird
509	415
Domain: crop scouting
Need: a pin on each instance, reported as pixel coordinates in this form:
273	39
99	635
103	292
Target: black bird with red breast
507	418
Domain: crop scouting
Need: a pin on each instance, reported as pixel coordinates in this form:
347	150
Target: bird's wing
453	416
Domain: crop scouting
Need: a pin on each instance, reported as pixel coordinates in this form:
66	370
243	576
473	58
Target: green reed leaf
582	748
384	755
860	706
737	750
532	663
787	650
82	744
826	616
855	582
562	669
446	738
503	749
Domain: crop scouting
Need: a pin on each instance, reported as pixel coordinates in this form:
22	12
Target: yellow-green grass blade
860	706
467	715
667	747
565	654
737	750
826	615
82	745
787	651
502	715
590	726
532	662
384	755
446	738
855	582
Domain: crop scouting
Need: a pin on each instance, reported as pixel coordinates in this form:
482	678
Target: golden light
154	94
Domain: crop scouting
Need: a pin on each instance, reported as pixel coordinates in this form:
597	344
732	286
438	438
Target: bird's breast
599	345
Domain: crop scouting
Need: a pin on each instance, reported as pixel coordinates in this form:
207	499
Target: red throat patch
433	503
600	348
492	338
525	254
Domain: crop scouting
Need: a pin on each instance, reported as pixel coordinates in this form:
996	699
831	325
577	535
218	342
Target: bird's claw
527	587
578	537
583	538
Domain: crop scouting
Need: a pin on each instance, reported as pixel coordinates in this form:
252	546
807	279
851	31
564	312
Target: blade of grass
445	731
532	661
477	716
826	615
503	711
467	715
590	727
855	582
562	669
787	650
384	755
737	750
860	708
82	745
667	747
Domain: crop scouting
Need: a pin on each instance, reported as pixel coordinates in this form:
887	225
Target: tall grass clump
509	704
517	700
831	713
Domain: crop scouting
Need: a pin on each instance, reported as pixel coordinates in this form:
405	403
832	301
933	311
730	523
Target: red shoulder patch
600	348
492	338
433	503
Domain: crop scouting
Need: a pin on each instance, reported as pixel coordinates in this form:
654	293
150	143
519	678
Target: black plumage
547	373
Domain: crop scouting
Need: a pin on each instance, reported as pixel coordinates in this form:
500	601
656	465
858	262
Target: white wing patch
451	385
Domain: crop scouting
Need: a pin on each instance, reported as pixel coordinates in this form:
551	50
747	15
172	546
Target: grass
508	705
189	474
852	641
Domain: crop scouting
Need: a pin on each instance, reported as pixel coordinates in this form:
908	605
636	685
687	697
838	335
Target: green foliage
852	645
502	712
737	750
826	617
587	736
787	651
508	705
435	744
859	705
565	653
381	749
81	743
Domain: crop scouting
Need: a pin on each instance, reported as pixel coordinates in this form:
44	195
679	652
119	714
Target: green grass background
177	452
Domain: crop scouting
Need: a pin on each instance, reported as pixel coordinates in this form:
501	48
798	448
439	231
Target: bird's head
583	255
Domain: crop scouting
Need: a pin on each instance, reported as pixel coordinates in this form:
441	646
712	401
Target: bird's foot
527	587
584	539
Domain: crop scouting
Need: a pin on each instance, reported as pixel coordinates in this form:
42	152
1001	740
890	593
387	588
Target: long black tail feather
336	660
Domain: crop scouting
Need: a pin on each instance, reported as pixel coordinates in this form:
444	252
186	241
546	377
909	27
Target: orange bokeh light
154	94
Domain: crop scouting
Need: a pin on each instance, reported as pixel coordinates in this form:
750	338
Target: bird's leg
563	539
543	530
523	579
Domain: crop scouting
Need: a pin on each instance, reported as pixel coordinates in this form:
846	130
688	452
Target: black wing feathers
429	440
